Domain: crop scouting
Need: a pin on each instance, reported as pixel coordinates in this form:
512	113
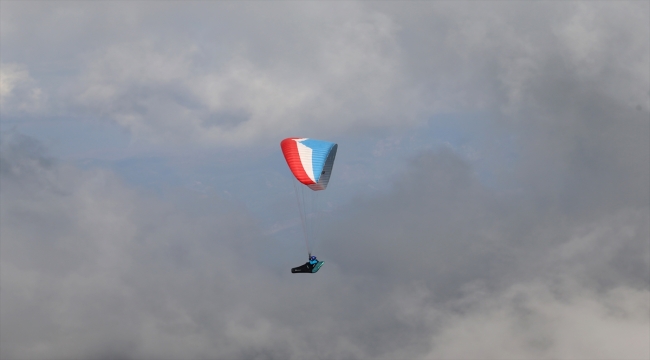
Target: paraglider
310	267
311	162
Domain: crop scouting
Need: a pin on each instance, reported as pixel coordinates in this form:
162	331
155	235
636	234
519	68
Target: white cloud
18	90
543	321
350	78
226	74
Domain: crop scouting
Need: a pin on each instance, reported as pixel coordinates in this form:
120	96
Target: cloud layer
328	69
549	260
435	268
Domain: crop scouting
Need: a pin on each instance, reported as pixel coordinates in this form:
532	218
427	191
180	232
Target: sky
490	197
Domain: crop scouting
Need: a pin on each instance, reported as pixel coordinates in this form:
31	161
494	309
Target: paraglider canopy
310	160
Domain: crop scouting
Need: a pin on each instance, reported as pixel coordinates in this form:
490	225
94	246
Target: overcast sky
490	197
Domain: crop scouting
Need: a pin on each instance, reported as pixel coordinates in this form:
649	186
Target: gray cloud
539	324
92	269
87	263
18	91
321	68
551	263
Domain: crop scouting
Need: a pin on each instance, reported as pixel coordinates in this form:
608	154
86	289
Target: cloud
18	90
227	75
552	261
87	263
491	55
537	321
180	92
91	268
439	225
